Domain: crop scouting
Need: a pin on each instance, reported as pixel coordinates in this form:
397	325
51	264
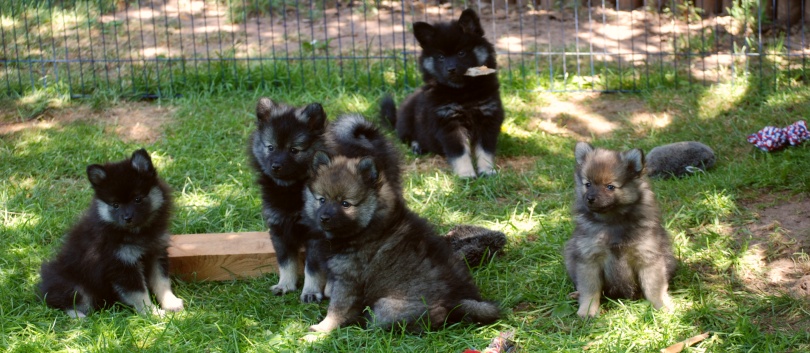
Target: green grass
202	155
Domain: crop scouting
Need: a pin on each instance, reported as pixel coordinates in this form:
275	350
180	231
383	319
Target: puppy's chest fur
468	110
620	241
281	204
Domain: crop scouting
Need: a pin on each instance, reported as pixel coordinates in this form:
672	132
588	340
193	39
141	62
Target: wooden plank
221	256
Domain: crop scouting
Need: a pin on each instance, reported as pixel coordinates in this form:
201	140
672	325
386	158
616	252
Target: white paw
172	304
588	310
312	297
325	326
75	314
487	172
321	328
282	288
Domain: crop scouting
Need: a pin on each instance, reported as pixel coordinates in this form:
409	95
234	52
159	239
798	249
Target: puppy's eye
138	199
345	204
461	54
610	187
115	205
440	57
271	148
587	185
294	150
322	200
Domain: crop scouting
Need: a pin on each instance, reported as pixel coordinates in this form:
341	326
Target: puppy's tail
388	112
479	311
353	136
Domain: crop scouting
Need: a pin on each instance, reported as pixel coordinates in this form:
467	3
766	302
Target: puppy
619	247
116	252
454	114
382	256
281	150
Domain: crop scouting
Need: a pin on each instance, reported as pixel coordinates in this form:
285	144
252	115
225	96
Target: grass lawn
198	143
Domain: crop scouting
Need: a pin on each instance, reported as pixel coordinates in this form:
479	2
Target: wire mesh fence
151	48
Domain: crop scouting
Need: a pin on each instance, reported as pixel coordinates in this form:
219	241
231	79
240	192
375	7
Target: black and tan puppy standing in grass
281	150
117	252
457	113
387	265
619	247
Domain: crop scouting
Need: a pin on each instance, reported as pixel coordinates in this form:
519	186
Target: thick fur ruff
116	252
679	159
452	114
281	151
619	247
382	255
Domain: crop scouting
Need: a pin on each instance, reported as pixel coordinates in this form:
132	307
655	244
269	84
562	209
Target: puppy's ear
424	33
142	163
320	159
470	23
96	174
368	170
314	116
265	109
635	160
581	151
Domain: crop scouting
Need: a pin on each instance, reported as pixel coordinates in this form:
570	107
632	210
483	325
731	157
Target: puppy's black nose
325	219
275	166
591	199
128	219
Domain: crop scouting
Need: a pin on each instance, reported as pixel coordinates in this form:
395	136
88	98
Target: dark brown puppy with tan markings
619	247
382	256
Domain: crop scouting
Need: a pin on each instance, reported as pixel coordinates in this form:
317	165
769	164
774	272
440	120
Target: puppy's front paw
173	304
282	288
324	326
588	311
314	297
320	328
487	172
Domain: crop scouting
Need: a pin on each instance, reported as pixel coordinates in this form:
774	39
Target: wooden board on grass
221	256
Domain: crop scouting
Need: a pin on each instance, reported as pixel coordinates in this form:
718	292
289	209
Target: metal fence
151	48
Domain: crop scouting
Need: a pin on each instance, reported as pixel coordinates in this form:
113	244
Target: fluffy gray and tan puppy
619	247
382	256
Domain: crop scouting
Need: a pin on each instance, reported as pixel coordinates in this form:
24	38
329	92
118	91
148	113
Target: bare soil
131	121
778	244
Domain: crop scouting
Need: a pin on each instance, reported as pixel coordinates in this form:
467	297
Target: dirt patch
131	121
778	245
594	114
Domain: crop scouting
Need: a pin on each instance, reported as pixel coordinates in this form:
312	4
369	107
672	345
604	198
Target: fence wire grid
154	48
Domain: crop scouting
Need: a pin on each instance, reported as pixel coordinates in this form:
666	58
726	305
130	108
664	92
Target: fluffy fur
453	115
619	247
476	245
117	250
383	256
281	151
679	159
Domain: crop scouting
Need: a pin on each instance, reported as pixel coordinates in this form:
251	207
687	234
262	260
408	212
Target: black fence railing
165	47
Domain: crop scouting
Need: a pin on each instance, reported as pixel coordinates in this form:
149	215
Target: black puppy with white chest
455	113
117	251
